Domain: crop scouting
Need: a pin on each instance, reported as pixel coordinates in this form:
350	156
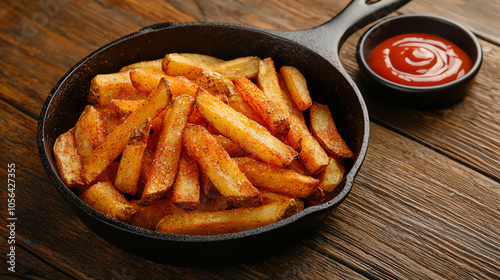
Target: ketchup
419	59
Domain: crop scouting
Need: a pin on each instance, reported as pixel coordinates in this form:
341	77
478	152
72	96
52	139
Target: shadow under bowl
429	97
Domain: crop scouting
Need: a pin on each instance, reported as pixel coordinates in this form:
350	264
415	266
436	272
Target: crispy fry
106	87
204	59
332	175
247	67
168	150
175	64
68	160
231	147
104	198
312	156
89	132
122	108
146	80
296	84
325	131
214	82
148	216
114	143
219	167
276	179
186	191
248	134
129	169
226	221
275	117
154	65
271	197
236	101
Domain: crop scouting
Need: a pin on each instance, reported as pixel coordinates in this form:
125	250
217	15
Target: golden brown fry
268	82
121	108
231	147
271	197
186	191
129	169
154	65
325	131
297	86
114	143
175	64
219	167
204	59
214	82
312	156
236	101
148	216
89	132
276	179
106	87
146	80
332	176
273	115
248	134
226	221
247	67
68	160
168	150
104	198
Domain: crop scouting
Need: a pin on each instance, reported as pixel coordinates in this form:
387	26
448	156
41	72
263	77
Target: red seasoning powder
419	59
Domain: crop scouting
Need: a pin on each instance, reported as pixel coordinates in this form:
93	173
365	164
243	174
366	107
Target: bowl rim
55	178
419	89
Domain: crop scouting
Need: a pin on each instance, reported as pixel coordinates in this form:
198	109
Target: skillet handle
328	38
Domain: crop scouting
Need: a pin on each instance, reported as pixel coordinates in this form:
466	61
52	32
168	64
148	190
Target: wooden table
426	203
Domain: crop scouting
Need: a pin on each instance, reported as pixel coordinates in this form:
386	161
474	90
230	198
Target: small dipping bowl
423	97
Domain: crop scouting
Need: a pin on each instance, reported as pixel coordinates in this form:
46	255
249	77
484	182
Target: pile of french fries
192	144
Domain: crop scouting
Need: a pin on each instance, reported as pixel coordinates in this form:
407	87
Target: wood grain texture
425	204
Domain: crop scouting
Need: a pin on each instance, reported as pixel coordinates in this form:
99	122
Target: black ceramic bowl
412	96
328	82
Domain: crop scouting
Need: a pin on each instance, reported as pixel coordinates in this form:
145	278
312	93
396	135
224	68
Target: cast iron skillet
328	82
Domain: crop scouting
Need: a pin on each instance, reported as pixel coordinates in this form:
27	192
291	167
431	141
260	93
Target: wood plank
480	16
468	132
409	217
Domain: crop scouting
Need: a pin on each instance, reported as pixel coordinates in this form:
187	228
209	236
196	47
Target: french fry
332	175
105	87
104	198
214	82
146	80
114	143
247	67
168	150
273	115
312	156
186	190
236	101
89	132
226	221
248	134
297	85
129	169
267	79
271	197
325	131
148	216
121	108
231	147
219	167
68	160
154	65
146	164
204	59
175	64
276	179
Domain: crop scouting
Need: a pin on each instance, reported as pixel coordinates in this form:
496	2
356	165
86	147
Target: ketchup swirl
419	59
